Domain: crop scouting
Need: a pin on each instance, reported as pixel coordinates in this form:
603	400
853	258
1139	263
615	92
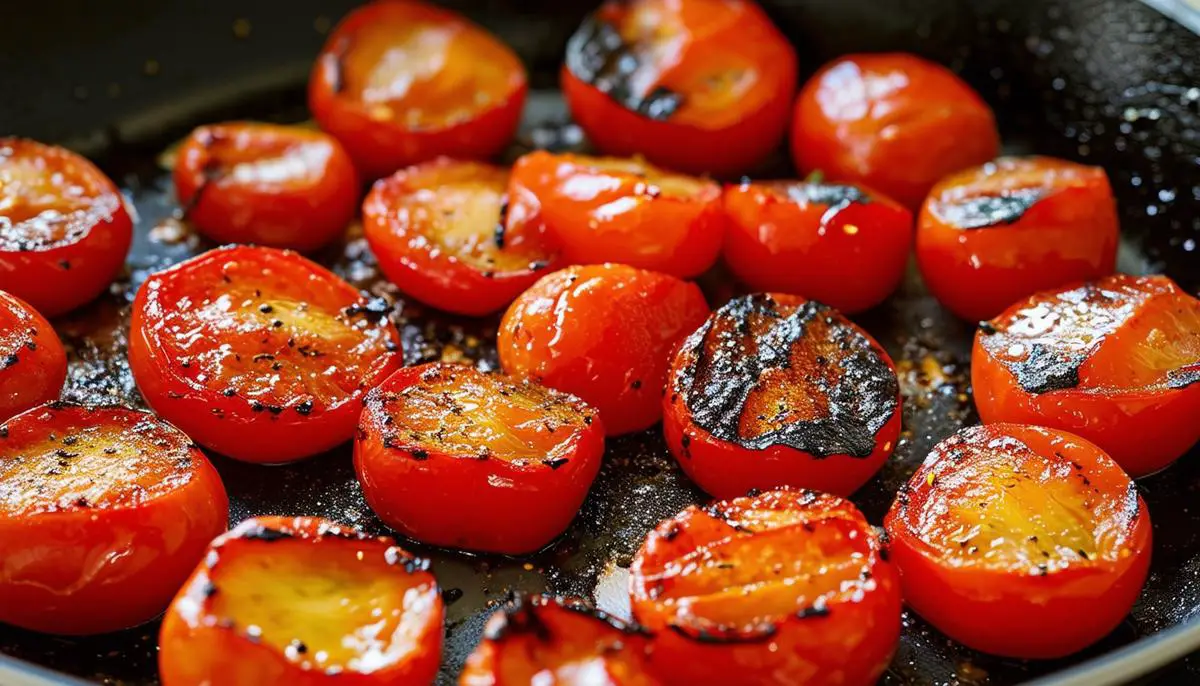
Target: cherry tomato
603	333
33	364
439	231
103	513
1020	541
695	85
259	354
554	640
65	227
777	390
991	235
613	210
282	186
401	82
892	121
1116	361
784	587
840	244
301	602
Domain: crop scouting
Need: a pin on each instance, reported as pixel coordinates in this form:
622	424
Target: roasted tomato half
104	511
299	602
777	390
64	229
840	244
282	186
784	587
440	233
1116	361
401	82
1020	541
695	85
259	354
605	209
603	333
554	640
893	121
33	363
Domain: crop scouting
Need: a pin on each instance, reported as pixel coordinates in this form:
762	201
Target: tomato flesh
33	363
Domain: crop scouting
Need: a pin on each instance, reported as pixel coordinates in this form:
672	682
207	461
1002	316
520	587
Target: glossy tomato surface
561	641
694	85
303	601
777	390
840	244
280	186
991	235
605	209
65	227
1116	361
33	364
603	333
257	353
103	513
893	121
1020	541
440	231
784	587
402	81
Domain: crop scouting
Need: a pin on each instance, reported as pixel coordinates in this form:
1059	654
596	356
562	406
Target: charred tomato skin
892	121
227	177
33	363
1020	612
66	252
102	554
371	133
561	333
991	235
843	245
687	136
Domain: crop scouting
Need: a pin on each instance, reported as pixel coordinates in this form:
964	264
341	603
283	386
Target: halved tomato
605	209
259	354
695	85
1020	541
603	333
441	233
401	82
843	245
777	390
1116	361
302	601
280	186
33	364
65	227
103	513
783	587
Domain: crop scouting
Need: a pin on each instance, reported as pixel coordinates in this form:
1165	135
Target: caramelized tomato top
265	157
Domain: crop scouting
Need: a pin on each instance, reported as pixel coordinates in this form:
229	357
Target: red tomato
992	235
282	186
257	353
439	231
554	640
303	602
1116	362
785	587
603	333
65	227
893	121
625	211
842	245
400	82
696	85
103	513
777	390
1020	541
33	364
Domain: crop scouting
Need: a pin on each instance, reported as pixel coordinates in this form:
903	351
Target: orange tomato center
48	201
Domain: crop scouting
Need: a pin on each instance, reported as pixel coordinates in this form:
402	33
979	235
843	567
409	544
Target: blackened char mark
991	211
836	197
1184	376
1046	369
597	55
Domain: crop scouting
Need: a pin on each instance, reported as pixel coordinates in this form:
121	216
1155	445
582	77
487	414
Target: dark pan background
1109	82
